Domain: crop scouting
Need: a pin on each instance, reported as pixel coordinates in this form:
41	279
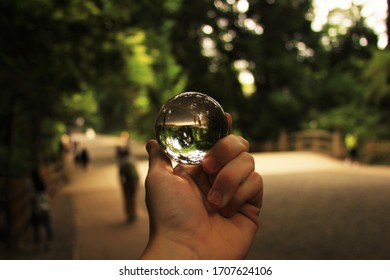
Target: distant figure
82	158
124	149
129	181
351	144
41	218
122	152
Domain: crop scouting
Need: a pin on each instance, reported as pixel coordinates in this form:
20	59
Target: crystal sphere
188	125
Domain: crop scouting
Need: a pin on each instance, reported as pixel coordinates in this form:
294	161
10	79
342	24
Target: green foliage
81	104
362	121
376	75
67	59
115	63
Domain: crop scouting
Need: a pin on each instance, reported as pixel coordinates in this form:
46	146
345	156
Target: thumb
158	161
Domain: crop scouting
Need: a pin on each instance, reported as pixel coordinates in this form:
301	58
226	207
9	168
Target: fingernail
216	197
210	163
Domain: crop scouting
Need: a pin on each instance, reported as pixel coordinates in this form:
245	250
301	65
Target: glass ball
188	125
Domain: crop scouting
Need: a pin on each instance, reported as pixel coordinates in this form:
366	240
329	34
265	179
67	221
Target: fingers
235	183
230	178
224	151
250	192
246	198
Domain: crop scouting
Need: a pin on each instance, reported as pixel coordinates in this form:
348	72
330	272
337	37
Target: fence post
337	144
299	142
283	141
315	144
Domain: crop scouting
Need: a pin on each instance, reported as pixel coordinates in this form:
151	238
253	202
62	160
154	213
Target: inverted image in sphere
188	125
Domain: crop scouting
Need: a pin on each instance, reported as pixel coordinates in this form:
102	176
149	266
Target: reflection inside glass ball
188	125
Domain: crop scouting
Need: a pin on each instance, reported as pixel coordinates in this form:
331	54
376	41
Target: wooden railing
377	151
15	221
322	141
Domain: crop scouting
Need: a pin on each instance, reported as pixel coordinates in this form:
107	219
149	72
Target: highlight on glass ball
188	125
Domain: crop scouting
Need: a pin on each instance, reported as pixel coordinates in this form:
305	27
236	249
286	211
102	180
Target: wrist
160	248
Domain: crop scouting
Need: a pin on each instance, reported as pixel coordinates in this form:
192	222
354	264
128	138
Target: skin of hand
207	211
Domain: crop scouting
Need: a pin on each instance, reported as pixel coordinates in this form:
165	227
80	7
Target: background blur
294	74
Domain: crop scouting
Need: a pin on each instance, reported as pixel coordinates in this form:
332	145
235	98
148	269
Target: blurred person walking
82	158
41	216
351	144
129	180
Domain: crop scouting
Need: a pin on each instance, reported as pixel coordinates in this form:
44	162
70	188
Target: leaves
115	63
377	76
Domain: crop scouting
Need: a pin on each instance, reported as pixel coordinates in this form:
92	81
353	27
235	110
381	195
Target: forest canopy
114	63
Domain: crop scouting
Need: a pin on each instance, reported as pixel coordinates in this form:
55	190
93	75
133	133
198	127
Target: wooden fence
15	221
377	152
322	141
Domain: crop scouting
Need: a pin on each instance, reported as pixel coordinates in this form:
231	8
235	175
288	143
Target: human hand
207	211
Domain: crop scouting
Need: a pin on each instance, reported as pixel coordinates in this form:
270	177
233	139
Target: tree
66	59
217	41
351	74
58	53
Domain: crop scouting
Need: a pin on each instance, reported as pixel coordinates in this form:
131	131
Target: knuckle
257	182
234	142
225	146
256	179
244	143
247	157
